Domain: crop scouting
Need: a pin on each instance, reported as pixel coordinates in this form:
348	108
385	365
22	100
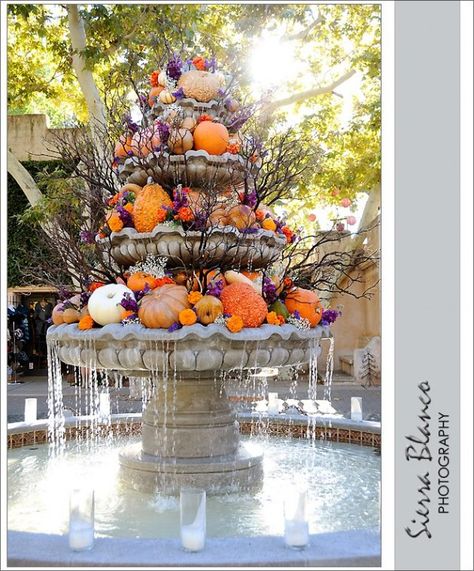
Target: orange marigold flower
86	322
204	117
194	297
288	233
260	215
162	281
287	283
233	148
269	224
102	235
187	317
199	63
272	318
95	285
281	319
115	222
128	207
185	214
234	323
113	201
154	78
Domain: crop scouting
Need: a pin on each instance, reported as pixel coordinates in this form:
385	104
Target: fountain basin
226	245
197	348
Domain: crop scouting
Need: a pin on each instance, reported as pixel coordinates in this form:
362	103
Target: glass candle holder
193	519
356	408
272	407
81	519
31	410
296	524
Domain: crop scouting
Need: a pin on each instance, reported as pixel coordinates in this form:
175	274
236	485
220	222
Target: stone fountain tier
194	168
190	435
223	244
189	107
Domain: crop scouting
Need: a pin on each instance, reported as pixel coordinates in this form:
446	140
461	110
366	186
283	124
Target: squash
104	303
307	303
180	141
71	315
57	316
200	85
139	280
211	137
154	94
208	309
162	78
148	210
218	217
241	216
188	123
161	307
123	147
242	300
167	97
232	277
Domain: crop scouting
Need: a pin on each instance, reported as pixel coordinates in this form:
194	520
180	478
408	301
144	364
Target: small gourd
180	141
208	309
167	97
150	207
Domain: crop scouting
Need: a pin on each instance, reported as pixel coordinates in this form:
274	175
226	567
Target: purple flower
210	64
296	314
87	237
174	67
174	327
139	294
221	92
250	199
269	291
215	288
125	216
180	199
329	316
129	303
63	293
129	124
179	93
249	230
143	100
164	132
85	295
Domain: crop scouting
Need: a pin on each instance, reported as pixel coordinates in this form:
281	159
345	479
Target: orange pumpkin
161	307
180	141
242	300
57	316
208	309
241	216
211	137
218	217
71	315
148	208
307	303
139	280
154	93
123	146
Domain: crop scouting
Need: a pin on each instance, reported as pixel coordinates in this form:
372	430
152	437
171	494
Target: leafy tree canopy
127	41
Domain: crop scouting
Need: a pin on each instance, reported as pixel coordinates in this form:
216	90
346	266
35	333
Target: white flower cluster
153	265
302	323
220	320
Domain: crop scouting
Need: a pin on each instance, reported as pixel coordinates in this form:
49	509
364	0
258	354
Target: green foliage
126	42
24	236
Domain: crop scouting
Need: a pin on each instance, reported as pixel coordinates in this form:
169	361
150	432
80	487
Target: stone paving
122	402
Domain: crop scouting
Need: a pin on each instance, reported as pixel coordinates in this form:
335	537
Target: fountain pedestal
190	436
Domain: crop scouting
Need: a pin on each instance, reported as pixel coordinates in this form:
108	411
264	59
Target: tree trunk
94	102
24	179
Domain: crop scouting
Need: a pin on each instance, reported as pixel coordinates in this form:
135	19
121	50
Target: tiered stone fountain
190	434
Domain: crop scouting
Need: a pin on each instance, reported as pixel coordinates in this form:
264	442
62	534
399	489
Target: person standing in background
43	313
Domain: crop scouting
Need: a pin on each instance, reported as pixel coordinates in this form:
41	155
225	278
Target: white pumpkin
104	303
232	277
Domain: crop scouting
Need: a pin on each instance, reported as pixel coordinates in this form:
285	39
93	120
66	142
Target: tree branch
24	179
309	93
